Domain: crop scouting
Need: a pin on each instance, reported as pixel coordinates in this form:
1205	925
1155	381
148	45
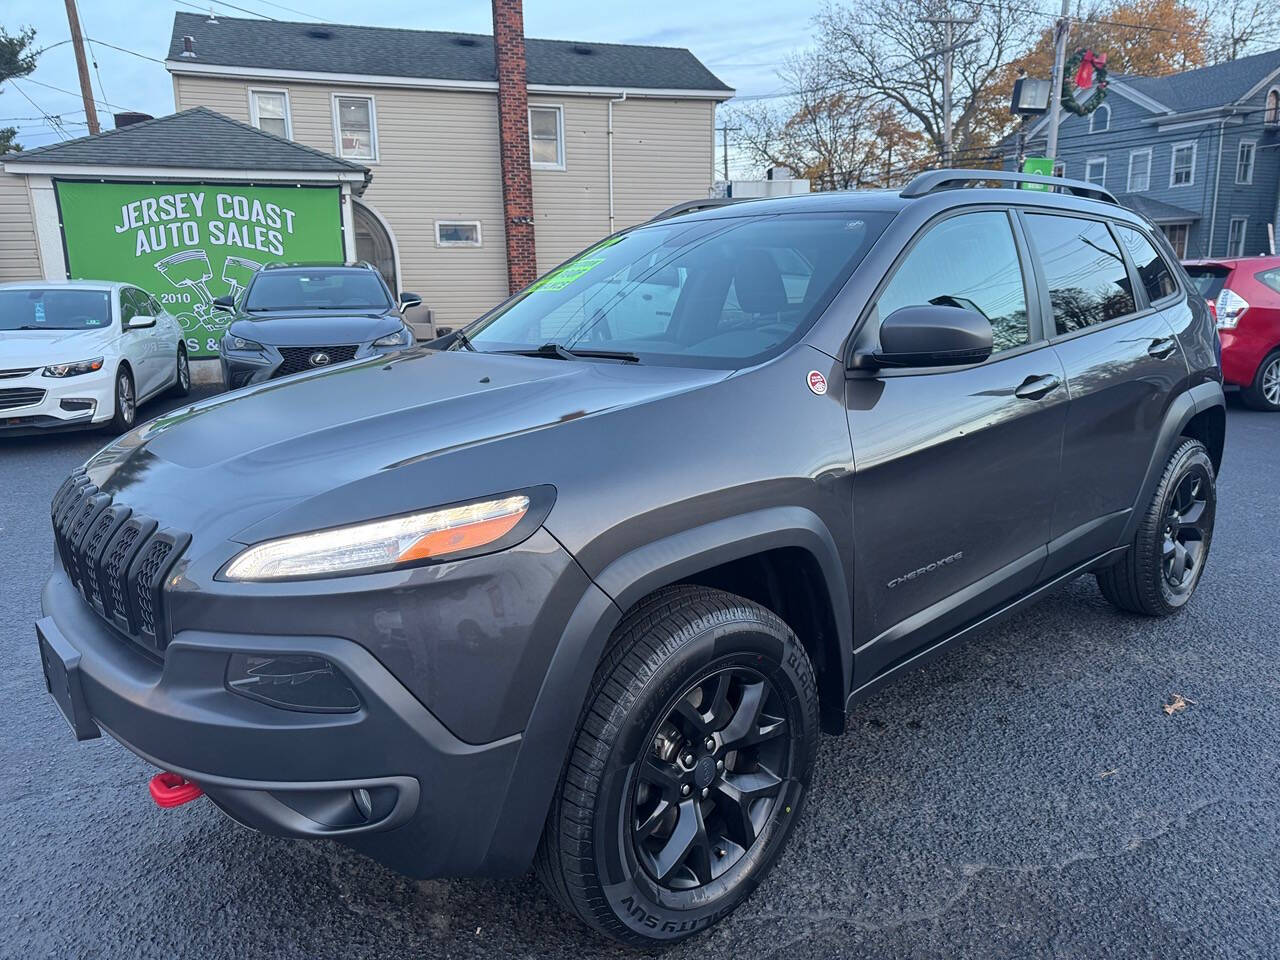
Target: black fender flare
1201	397
549	734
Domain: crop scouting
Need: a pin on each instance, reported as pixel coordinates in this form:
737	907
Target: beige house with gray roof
615	134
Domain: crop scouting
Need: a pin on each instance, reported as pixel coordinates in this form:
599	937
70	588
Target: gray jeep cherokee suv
580	587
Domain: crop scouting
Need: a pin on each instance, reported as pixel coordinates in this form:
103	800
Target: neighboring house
614	135
1198	153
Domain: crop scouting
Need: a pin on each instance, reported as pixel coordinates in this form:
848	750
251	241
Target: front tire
692	756
126	401
182	380
1264	392
1166	559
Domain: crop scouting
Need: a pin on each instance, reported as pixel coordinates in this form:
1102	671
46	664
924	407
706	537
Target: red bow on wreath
1084	74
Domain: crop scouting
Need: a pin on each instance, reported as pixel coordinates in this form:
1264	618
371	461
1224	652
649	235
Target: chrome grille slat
16	397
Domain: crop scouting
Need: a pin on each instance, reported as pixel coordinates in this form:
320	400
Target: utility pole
948	50
1062	28
82	67
724	137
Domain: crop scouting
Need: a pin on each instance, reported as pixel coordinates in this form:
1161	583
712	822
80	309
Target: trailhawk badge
817	382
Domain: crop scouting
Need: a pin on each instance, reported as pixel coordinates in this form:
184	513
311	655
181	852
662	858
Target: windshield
1209	280
316	290
712	293
54	309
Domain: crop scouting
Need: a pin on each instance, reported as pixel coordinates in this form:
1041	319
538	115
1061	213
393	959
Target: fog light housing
292	682
77	404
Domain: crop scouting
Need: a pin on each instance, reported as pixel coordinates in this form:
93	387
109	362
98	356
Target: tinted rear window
1087	278
1209	280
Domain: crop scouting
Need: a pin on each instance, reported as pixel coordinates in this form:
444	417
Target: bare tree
888	50
824	130
1240	26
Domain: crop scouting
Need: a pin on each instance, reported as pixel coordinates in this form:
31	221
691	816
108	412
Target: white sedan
84	354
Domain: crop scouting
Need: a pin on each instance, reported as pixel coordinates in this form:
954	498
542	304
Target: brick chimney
513	134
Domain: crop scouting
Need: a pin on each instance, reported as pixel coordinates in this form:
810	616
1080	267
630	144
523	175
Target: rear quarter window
1269	278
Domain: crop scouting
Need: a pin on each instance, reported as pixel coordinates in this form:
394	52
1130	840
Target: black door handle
1033	388
1163	347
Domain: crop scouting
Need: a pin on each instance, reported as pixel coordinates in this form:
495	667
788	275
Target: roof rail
931	181
693	206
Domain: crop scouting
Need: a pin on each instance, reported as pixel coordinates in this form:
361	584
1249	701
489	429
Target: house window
1182	172
356	126
457	233
1095	171
1100	119
1235	237
1059	168
1244	161
269	111
1271	115
1139	171
1176	234
546	138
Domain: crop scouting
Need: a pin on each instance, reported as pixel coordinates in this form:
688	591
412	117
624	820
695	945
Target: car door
138	342
168	334
954	466
1123	362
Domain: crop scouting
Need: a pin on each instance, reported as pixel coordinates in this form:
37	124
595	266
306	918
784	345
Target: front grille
23	397
116	558
297	359
15	374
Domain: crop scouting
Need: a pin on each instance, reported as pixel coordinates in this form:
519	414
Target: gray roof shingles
434	55
1222	83
196	138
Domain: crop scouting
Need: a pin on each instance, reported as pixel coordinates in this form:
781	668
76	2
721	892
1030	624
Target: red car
1245	292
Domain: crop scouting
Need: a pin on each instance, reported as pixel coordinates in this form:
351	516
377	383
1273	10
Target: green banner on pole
1041	165
188	243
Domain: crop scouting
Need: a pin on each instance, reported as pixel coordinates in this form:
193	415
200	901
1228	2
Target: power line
53	122
71	93
135	53
223	3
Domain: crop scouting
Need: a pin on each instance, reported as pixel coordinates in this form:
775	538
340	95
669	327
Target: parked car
297	317
75	355
1246	296
583	596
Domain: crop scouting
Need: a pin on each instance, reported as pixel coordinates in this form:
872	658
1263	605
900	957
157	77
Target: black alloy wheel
710	780
1185	529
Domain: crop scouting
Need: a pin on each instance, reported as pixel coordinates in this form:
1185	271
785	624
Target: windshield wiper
559	352
463	339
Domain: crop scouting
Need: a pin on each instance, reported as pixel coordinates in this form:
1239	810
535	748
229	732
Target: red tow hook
173	790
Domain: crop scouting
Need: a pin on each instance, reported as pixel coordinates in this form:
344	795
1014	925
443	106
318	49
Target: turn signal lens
381	544
292	682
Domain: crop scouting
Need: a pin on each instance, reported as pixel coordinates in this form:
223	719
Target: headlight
73	369
401	338
240	343
382	544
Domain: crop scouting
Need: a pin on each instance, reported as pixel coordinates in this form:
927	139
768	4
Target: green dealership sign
189	243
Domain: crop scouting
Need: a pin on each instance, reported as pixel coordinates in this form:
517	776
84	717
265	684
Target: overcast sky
742	41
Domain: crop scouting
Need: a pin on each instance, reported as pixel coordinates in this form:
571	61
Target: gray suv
579	587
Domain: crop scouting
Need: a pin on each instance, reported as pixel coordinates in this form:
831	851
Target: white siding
19	257
438	160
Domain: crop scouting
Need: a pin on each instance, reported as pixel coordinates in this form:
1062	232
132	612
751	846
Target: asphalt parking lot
1023	796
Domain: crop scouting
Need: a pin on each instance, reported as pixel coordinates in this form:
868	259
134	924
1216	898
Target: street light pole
948	50
1062	28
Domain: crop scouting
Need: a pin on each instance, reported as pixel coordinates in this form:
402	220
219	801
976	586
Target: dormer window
1100	119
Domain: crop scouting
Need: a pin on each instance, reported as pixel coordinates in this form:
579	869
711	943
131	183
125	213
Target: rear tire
1264	392
126	403
1164	563
670	810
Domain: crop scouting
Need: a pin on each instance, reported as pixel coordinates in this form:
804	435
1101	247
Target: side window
1157	278
128	305
1086	275
968	261
153	305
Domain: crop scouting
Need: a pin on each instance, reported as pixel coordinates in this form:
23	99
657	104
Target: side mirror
140	322
930	336
227	304
408	299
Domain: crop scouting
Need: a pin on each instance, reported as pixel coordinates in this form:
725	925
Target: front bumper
64	403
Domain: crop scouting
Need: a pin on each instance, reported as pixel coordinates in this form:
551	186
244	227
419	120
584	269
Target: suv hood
316	328
231	462
36	348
